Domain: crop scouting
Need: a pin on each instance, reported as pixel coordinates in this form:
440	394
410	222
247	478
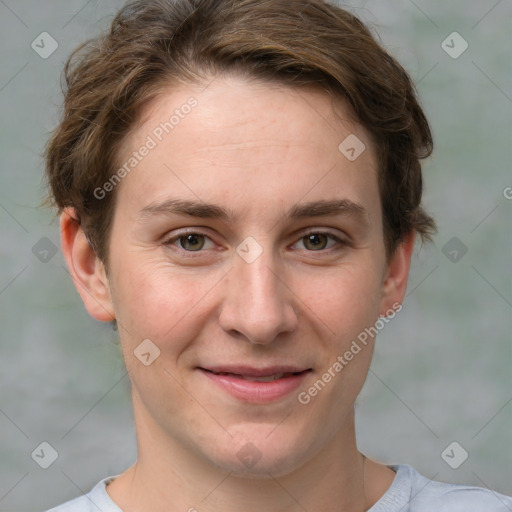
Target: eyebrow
187	208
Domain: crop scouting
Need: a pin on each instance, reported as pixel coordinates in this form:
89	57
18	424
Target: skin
256	149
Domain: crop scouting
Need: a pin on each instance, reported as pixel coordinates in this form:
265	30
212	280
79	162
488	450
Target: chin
261	452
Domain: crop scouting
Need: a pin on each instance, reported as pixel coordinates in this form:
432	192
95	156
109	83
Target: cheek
347	303
156	301
345	298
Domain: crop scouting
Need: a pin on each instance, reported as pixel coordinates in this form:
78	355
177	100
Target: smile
268	378
256	385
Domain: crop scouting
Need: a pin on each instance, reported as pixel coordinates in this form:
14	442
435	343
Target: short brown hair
153	43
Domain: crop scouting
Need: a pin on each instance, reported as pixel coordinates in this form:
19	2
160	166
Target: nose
258	303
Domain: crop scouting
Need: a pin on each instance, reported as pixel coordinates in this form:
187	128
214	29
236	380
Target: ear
397	274
86	269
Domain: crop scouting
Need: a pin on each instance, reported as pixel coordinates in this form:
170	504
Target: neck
168	474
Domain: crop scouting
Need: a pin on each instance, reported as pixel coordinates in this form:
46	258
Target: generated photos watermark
304	397
152	140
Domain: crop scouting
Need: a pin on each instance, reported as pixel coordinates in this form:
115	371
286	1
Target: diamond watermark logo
44	45
454	455
44	455
44	250
352	147
454	249
454	45
249	250
249	455
146	352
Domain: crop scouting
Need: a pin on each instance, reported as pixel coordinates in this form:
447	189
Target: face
248	249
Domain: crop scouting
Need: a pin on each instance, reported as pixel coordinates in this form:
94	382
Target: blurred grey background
442	369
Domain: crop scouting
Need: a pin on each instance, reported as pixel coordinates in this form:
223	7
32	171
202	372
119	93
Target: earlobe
397	274
86	269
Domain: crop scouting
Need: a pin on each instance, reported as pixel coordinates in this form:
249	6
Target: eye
314	241
190	242
319	240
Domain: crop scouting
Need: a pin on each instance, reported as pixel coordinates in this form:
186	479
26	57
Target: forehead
229	103
248	143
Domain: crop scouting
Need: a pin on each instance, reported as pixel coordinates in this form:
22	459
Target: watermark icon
44	250
304	397
454	455
454	249
352	147
454	45
249	249
249	455
151	142
507	192
146	352
44	455
44	45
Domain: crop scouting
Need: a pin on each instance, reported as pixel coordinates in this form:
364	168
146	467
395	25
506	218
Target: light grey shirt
409	492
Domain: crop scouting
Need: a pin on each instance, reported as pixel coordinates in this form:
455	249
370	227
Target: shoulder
81	504
96	499
427	495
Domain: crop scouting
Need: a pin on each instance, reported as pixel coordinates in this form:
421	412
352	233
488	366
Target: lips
264	378
251	373
268	378
257	385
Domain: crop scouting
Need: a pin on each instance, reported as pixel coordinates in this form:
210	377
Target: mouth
264	378
257	385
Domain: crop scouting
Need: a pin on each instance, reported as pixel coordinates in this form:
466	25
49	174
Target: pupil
311	239
192	240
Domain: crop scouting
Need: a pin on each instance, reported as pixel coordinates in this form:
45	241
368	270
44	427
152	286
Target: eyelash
340	242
